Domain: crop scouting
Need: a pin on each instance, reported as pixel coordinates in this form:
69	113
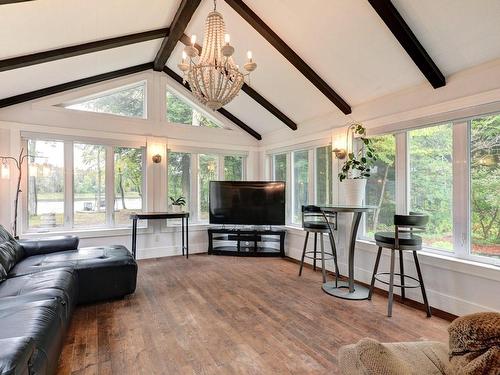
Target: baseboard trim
407	301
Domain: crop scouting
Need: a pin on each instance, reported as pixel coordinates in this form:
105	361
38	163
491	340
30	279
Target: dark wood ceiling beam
177	28
254	94
400	29
5	2
222	111
261	27
17	99
80	49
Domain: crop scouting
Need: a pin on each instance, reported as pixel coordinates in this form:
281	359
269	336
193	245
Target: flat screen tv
247	202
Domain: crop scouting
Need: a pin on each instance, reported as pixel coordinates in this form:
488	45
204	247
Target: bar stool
402	239
317	221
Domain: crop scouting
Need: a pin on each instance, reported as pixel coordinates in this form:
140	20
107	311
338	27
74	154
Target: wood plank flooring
228	315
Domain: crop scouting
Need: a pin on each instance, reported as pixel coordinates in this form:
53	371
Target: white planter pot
354	191
176	208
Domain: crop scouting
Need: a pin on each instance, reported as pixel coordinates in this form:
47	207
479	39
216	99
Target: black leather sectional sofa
41	281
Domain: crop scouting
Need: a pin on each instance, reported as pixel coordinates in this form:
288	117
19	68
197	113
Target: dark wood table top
159	215
344	208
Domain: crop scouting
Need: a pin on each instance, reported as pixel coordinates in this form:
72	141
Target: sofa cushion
49	245
16	355
58	283
10	252
103	272
39	320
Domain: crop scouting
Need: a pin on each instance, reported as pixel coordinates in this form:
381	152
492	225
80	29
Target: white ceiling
344	41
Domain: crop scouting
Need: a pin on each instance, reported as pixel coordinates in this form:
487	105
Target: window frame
461	180
312	174
68	222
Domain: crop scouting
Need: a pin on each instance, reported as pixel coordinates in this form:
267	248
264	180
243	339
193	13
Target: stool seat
405	239
318	225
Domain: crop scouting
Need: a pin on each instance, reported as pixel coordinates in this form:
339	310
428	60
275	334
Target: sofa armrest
49	245
15	355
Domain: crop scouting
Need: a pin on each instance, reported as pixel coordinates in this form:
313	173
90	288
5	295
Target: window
381	187
105	185
431	182
310	180
89	181
324	175
485	186
128	183
207	171
233	168
179	176
180	112
300	183
45	184
279	167
129	101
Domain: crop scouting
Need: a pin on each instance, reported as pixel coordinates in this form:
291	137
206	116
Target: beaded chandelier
213	76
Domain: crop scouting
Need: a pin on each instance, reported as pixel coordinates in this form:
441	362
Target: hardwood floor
225	315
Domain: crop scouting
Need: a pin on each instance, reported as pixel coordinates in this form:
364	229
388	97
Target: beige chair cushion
370	357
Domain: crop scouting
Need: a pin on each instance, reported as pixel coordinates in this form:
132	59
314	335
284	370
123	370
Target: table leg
352	244
182	234
187	237
348	289
134	237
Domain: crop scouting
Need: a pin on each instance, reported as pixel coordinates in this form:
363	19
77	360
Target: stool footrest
417	285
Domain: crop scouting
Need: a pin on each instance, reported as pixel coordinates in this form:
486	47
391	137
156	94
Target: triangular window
180	111
128	101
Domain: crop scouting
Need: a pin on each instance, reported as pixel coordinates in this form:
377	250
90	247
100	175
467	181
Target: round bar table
349	289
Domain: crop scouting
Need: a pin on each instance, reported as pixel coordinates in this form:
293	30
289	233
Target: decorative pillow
475	344
10	251
475	332
376	358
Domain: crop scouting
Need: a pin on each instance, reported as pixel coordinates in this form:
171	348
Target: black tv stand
246	242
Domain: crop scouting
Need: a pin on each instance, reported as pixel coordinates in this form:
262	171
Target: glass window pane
485	186
129	102
431	182
128	183
45	184
300	183
89	185
381	187
180	112
179	176
233	168
324	175
279	167
207	171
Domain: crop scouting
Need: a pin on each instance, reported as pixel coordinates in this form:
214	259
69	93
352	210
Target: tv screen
247	202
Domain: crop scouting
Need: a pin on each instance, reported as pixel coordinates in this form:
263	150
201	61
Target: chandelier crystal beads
214	78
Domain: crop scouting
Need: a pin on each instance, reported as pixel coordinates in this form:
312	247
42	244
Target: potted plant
177	203
357	167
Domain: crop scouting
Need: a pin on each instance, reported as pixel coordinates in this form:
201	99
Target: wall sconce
340	153
5	170
156	158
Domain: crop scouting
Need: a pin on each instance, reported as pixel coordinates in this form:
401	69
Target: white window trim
68	225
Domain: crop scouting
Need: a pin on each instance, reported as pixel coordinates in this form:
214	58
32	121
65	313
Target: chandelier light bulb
249	55
227	38
193	40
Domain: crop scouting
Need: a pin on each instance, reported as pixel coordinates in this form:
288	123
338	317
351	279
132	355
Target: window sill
87	233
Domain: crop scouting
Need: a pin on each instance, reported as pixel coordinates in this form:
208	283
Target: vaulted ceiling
345	42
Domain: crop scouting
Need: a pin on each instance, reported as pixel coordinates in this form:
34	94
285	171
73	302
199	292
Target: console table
349	289
184	216
247	242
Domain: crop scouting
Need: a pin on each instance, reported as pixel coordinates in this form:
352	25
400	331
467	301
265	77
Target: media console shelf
246	242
